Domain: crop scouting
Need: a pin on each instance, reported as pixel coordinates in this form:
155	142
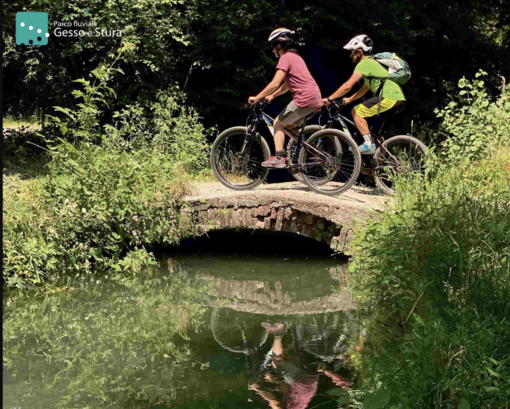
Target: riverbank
432	274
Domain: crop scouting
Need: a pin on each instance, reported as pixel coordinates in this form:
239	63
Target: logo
32	28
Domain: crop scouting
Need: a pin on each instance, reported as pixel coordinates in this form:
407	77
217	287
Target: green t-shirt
369	67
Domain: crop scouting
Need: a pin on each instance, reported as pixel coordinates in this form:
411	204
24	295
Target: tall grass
432	274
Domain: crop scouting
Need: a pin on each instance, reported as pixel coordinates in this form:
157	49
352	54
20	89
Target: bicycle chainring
293	169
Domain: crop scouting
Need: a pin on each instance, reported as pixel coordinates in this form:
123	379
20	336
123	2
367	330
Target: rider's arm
346	87
362	91
273	85
282	90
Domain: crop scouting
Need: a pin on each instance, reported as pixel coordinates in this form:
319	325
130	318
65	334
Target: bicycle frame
345	123
268	120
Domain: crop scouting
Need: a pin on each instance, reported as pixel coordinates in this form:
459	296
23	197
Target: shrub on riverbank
111	190
93	206
432	274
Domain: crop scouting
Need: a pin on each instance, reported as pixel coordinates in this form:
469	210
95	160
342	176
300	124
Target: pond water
205	330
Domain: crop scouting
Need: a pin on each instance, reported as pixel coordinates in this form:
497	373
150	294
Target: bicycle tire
310	129
350	160
215	154
381	177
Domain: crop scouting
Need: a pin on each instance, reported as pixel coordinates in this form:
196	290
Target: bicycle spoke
238	159
330	162
401	157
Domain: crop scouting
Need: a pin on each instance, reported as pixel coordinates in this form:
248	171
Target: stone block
263	211
234	219
242	217
224	218
279	219
267	223
287	224
335	243
287	213
273	213
253	222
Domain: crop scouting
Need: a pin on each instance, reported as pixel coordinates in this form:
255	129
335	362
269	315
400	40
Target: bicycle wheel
307	132
238	332
236	159
332	162
398	156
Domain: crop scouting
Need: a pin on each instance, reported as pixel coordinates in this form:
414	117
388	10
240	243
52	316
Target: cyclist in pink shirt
291	74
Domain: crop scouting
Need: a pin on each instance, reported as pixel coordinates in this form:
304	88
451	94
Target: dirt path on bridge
361	198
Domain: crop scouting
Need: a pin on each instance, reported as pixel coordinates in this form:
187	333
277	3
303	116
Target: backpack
399	71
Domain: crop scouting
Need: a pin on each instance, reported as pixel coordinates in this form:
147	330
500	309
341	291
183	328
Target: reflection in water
209	331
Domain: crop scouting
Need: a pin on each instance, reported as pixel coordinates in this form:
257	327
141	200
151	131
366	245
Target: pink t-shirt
304	89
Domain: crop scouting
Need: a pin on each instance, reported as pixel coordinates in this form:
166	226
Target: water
205	331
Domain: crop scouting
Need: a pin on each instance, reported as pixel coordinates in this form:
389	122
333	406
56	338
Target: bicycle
398	155
238	152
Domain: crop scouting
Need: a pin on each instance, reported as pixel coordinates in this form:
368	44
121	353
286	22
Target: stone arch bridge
286	207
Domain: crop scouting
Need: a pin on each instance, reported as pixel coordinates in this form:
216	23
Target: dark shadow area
257	242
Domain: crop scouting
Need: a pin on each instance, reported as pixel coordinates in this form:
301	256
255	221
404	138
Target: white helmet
281	35
362	41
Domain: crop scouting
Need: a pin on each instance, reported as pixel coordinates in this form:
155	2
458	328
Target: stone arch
275	217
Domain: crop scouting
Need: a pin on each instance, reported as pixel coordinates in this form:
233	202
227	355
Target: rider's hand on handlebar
346	101
269	98
325	102
253	100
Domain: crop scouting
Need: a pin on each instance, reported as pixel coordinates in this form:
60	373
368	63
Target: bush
473	123
94	205
110	190
432	274
167	126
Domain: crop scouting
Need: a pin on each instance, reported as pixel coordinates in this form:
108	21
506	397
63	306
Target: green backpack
399	71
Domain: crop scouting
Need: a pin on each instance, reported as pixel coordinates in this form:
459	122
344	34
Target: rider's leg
288	118
369	108
361	123
279	135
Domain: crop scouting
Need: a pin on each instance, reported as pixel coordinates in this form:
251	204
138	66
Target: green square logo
32	28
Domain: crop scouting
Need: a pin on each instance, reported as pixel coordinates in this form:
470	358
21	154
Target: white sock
368	139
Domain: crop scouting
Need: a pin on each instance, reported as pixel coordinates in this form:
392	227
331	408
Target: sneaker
366	149
273	162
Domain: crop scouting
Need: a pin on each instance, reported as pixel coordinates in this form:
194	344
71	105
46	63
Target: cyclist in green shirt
372	72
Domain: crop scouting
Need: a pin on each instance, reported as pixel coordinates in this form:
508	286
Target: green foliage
117	342
94	205
473	123
167	126
432	274
216	51
109	189
22	151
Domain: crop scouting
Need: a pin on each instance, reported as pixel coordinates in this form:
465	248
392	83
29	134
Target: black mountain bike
327	158
400	155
